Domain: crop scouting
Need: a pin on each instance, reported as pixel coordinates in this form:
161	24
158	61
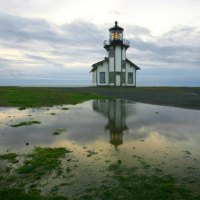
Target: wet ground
101	133
183	97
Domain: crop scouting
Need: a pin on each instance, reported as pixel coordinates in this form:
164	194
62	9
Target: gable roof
95	65
134	65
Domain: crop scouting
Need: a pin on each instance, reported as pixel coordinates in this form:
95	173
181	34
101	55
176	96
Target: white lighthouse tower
116	69
116	111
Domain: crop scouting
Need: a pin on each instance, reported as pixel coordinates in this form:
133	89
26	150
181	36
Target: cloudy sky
55	42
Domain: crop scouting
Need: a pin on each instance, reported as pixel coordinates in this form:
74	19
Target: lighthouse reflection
116	111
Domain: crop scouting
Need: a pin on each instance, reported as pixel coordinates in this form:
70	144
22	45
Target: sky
55	42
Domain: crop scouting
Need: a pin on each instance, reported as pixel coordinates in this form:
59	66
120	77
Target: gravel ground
184	97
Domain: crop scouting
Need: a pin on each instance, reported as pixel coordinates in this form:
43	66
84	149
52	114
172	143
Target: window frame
123	77
111	53
113	74
100	77
123	64
130	79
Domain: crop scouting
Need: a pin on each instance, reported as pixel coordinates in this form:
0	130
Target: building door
118	80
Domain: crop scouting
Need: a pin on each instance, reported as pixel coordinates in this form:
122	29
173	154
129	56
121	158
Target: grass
15	183
22	108
26	97
118	181
91	153
126	183
42	162
58	131
187	152
23	97
10	157
65	108
25	123
20	194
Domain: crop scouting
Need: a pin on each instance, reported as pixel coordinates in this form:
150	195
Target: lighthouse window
130	77
111	77
116	36
111	53
102	77
123	77
123	64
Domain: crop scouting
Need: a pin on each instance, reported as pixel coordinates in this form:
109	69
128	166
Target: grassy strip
26	123
20	194
10	157
119	181
42	161
127	184
65	108
23	97
58	131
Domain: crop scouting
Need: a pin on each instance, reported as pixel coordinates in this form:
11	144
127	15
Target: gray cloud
47	48
135	31
18	29
183	34
167	50
37	58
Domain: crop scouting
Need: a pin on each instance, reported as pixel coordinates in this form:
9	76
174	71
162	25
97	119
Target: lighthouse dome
116	27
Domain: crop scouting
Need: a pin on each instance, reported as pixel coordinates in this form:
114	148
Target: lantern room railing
106	43
124	41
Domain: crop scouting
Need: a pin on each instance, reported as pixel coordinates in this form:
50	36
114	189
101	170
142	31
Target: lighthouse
116	69
116	111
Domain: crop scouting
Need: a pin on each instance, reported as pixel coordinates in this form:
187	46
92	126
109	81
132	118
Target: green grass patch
10	157
25	123
187	152
20	194
91	153
127	183
58	131
26	97
22	108
65	108
42	162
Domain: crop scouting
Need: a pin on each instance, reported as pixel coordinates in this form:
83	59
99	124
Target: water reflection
124	122
163	136
116	111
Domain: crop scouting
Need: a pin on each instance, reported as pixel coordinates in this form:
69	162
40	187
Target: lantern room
116	32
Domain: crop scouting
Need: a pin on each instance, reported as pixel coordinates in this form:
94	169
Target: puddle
101	132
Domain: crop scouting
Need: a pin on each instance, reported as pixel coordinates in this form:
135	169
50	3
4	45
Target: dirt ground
184	97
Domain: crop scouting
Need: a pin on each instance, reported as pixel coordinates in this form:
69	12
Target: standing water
102	135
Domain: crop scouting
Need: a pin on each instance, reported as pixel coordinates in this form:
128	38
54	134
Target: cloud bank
38	52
